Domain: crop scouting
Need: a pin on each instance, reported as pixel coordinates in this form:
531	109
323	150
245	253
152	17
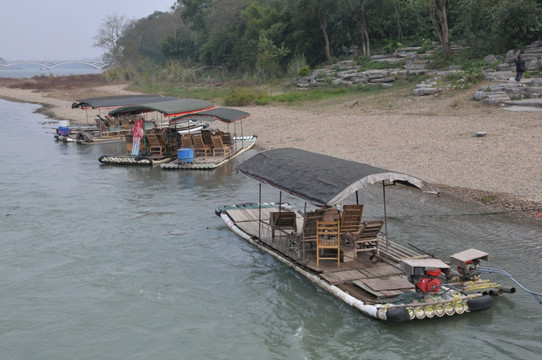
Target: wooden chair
351	219
129	142
328	237
219	147
172	140
125	124
186	141
114	126
331	214
227	139
206	134
308	233
107	127
367	239
282	221
156	145
199	145
102	125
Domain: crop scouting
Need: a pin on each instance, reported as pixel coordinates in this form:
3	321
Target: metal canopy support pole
357	198
242	136
302	231
119	128
260	212
385	216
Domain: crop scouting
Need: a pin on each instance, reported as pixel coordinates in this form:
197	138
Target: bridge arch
49	65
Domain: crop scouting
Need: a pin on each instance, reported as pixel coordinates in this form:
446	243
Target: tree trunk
437	12
326	39
322	18
365	43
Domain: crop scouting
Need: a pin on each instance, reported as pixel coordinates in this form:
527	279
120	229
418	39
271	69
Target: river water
102	262
28	71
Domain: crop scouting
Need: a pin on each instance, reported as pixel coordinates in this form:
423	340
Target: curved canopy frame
226	115
319	179
167	108
112	102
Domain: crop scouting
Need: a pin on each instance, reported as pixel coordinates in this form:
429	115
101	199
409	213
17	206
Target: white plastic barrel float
185	155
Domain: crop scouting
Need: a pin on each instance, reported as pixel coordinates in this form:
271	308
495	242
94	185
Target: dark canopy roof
319	179
226	115
168	108
118	101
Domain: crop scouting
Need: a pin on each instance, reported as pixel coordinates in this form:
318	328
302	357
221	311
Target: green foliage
245	97
467	61
439	62
518	21
362	60
391	46
180	48
304	71
366	63
239	97
119	73
298	66
259	40
174	71
471	75
498	25
488	199
426	45
269	57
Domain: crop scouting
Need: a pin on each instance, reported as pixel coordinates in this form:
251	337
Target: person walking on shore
520	67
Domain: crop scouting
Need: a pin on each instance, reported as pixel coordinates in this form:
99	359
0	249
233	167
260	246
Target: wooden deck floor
362	278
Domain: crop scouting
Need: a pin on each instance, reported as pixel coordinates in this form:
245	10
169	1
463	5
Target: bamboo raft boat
178	147
380	278
205	149
105	131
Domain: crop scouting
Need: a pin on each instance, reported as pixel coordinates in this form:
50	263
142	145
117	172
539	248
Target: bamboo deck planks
375	280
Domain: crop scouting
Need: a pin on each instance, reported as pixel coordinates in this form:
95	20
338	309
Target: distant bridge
51	64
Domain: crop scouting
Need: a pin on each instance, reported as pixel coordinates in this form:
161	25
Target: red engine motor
424	273
429	283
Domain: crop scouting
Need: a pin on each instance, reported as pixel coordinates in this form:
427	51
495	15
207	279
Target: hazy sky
62	29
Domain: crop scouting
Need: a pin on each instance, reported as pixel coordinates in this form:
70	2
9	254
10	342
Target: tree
365	42
109	35
179	46
195	12
437	11
517	22
322	10
493	26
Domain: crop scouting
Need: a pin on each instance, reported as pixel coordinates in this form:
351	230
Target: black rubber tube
395	315
480	303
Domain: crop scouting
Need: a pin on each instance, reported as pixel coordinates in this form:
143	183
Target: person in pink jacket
137	132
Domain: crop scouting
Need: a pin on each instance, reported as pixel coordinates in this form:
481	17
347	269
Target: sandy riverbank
428	137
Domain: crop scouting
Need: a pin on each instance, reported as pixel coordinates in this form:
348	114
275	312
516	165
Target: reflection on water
133	263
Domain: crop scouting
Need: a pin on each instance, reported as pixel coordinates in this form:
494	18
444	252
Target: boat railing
277	238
